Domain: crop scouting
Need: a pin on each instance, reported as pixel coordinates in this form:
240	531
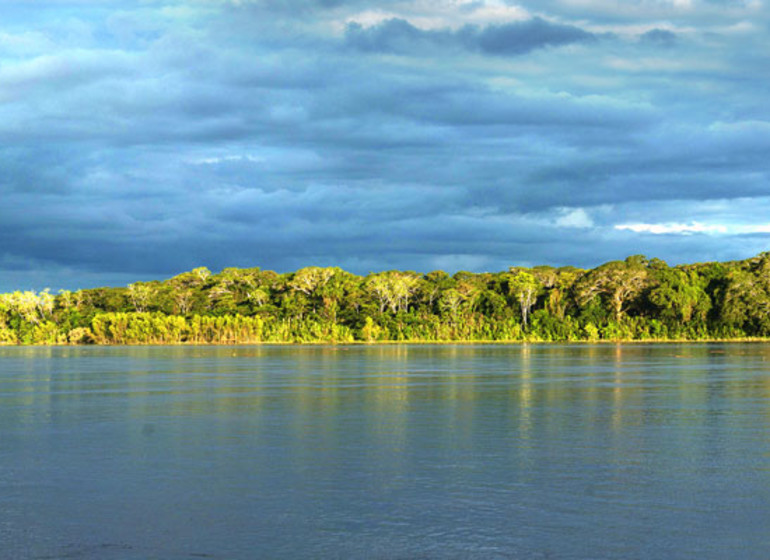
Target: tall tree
679	296
524	287
619	281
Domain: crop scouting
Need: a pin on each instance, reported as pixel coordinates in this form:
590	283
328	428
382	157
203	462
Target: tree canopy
633	299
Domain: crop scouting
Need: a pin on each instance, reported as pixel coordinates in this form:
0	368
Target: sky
142	139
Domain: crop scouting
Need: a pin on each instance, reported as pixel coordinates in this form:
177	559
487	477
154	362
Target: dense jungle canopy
634	299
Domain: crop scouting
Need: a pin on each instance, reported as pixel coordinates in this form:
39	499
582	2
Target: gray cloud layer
399	36
137	142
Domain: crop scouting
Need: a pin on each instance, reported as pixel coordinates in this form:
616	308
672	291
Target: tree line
633	299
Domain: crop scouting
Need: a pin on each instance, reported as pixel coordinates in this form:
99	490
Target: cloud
700	11
140	141
659	37
511	39
574	218
675	228
397	35
522	37
696	227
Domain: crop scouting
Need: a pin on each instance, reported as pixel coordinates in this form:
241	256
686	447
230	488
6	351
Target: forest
634	299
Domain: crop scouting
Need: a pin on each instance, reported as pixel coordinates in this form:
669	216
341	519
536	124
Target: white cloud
443	14
765	228
24	44
574	218
224	159
694	227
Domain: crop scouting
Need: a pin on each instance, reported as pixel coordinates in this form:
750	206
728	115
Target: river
386	452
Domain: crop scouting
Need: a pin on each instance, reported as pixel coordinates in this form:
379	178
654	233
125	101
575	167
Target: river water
386	452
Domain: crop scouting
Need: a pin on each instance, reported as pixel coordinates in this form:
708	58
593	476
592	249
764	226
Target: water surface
386	452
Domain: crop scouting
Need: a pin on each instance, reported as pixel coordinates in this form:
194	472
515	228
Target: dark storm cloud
518	38
138	142
397	35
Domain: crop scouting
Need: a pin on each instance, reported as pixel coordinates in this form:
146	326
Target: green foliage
524	287
46	333
635	299
590	332
371	332
8	336
547	327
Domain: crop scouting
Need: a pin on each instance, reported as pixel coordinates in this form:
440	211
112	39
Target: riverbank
407	343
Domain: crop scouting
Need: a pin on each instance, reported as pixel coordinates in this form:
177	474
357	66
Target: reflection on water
528	451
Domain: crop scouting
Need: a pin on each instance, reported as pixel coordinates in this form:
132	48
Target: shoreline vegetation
634	300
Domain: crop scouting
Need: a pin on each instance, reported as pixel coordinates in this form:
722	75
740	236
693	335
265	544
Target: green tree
525	288
679	297
618	281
